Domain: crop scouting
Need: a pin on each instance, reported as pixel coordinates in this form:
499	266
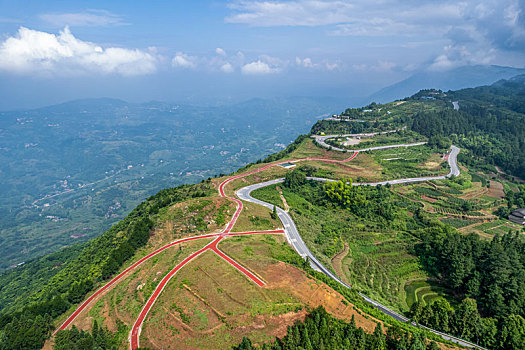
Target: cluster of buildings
518	216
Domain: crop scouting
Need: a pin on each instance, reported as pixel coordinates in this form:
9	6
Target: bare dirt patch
208	287
337	263
496	190
478	192
428	199
285	203
351	142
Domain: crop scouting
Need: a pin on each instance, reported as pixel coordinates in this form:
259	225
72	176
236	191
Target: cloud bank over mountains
470	32
41	53
235	48
473	31
36	52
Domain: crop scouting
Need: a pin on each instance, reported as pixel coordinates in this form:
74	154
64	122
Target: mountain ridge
454	79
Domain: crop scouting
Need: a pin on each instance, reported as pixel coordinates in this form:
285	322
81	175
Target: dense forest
486	278
322	331
489	278
490	125
98	338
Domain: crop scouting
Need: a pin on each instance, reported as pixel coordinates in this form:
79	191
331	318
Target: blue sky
52	51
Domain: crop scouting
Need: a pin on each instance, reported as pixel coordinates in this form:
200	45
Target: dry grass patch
123	301
496	190
255	217
211	305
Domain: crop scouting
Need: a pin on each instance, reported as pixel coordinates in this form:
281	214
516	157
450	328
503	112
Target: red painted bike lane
238	266
137	326
100	291
135	332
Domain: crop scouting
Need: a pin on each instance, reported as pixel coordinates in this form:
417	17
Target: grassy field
424	291
378	261
210	305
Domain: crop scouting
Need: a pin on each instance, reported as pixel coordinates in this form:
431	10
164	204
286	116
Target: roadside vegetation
441	252
402	256
322	331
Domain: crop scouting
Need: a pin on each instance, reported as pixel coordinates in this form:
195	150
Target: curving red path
74	315
137	326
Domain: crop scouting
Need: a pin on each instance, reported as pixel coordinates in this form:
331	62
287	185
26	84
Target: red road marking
235	216
74	315
238	266
135	331
254	232
137	327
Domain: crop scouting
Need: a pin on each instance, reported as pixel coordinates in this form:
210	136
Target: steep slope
211	297
454	79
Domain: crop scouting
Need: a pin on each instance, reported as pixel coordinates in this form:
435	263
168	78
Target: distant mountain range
454	79
71	170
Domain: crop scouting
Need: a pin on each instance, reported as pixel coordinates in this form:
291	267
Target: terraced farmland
422	291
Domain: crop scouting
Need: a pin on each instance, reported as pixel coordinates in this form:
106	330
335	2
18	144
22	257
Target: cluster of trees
516	198
364	201
341	127
99	338
466	322
489	276
490	124
137	238
513	199
322	331
294	179
492	272
102	257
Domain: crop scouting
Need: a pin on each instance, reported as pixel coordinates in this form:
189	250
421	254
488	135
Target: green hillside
440	251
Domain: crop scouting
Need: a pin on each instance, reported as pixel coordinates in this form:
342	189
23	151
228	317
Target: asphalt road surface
452	162
294	238
290	231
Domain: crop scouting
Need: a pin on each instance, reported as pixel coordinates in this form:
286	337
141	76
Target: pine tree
274	213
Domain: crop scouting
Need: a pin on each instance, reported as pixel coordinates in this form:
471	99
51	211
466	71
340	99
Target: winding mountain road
290	231
295	240
321	140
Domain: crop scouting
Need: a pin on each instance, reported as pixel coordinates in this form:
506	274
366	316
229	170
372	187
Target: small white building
287	165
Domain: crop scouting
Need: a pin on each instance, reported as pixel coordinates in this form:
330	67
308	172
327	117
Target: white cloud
305	62
258	68
290	13
183	60
331	66
441	63
472	28
90	18
220	51
385	65
227	68
31	51
380	66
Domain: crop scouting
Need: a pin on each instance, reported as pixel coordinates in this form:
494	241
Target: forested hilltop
440	252
490	124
